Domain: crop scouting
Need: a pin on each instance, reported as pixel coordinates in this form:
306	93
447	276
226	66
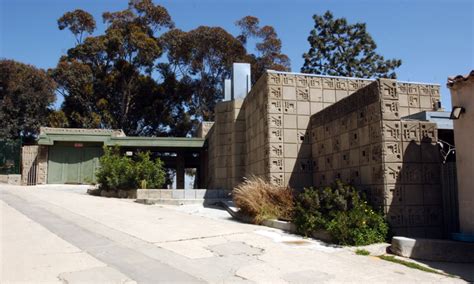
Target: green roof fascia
49	139
168	142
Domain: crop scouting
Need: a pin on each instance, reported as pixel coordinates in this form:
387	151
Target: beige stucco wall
462	94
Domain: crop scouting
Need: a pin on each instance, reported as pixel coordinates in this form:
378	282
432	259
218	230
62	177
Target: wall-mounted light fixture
456	112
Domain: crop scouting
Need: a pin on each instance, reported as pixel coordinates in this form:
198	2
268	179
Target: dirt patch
297	242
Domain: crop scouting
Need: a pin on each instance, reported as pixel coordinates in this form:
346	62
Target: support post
202	168
180	170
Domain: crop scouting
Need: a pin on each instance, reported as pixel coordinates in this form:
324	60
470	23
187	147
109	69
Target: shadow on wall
301	175
412	197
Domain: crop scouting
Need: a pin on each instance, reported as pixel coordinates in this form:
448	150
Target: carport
73	154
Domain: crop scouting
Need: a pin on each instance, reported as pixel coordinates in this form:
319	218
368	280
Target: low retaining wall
182	196
132	194
11	179
433	249
282	225
289	227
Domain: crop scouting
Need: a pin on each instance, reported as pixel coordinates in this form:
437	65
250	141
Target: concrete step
433	249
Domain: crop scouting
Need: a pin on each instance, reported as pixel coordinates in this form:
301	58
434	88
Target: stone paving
60	234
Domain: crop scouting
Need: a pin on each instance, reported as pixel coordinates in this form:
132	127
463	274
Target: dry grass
262	200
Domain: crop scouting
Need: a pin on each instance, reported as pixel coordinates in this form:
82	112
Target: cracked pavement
60	234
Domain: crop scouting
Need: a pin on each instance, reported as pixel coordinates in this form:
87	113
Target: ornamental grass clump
261	200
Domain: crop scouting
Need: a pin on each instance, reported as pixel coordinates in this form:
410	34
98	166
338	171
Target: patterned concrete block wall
268	134
362	140
274	119
414	98
28	160
412	194
292	99
211	158
345	139
34	160
226	146
238	154
42	173
256	127
220	139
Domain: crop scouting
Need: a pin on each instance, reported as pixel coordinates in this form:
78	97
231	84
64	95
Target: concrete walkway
31	253
61	234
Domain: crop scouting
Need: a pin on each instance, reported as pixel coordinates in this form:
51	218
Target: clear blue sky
434	39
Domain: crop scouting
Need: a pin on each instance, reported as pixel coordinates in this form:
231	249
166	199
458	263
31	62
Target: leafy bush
262	200
341	211
148	173
118	172
316	207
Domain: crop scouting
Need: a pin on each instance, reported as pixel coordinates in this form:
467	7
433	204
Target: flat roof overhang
441	118
157	142
49	139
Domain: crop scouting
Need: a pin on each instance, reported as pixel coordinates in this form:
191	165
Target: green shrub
261	200
341	211
360	225
148	173
118	172
316	207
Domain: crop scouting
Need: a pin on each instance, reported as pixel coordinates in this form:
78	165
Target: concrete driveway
61	234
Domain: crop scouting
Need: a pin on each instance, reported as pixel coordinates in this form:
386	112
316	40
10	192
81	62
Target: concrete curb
286	226
282	225
234	211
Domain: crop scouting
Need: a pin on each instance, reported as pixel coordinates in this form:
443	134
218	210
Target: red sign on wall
78	145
